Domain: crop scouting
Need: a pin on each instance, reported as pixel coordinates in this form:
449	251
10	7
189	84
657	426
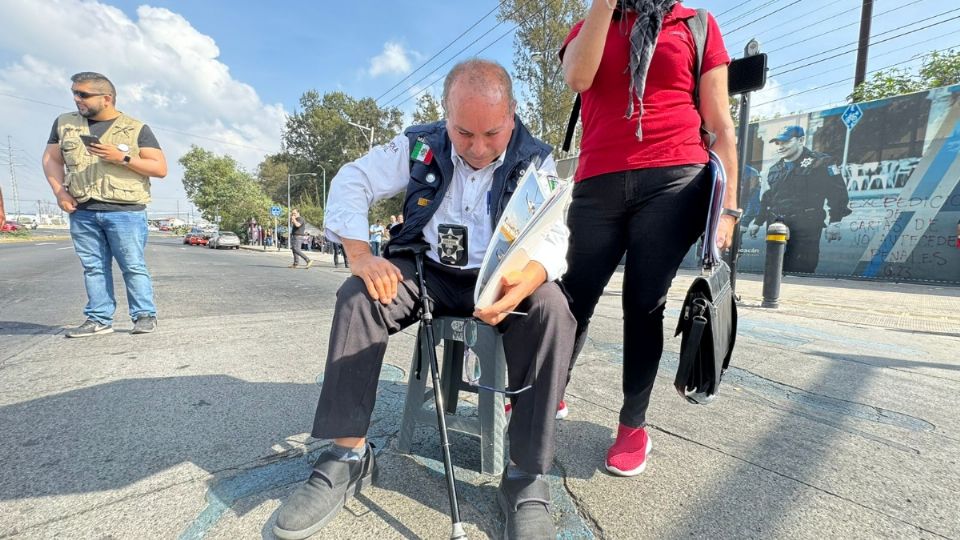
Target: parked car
197	239
224	239
186	237
11	226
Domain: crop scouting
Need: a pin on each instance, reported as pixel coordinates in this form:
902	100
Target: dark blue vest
424	197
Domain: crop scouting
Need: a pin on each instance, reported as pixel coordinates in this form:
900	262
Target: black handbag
708	319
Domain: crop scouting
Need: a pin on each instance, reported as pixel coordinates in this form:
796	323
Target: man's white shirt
385	172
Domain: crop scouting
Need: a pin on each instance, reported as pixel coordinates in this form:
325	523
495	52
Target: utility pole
866	16
13	176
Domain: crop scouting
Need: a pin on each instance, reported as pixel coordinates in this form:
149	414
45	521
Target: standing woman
642	184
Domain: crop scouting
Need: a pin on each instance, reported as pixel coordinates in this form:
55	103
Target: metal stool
491	425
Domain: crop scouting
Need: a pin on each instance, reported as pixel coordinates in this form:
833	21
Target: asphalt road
836	421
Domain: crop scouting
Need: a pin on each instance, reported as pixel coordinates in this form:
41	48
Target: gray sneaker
144	324
525	503
317	502
89	328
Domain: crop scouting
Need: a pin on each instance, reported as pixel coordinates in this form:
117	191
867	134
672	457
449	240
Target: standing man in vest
98	162
458	175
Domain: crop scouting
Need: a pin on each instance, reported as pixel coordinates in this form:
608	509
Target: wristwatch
126	159
735	213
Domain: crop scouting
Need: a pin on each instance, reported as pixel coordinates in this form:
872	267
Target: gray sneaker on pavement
89	328
144	324
317	502
525	503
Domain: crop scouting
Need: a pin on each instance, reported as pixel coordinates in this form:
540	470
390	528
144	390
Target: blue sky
224	74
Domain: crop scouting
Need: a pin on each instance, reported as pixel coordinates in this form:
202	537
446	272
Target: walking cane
427	345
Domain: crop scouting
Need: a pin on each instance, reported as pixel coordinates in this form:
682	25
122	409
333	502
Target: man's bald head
479	77
479	106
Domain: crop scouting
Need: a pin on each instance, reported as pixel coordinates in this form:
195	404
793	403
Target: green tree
217	185
939	69
318	136
542	26
428	110
892	82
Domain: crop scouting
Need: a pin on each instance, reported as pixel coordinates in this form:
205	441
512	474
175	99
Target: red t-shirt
671	122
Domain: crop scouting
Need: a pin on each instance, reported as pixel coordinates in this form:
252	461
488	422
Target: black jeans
654	216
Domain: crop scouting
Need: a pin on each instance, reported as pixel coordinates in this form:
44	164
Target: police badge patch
452	244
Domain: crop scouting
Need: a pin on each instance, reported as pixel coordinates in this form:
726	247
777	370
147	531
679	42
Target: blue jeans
100	237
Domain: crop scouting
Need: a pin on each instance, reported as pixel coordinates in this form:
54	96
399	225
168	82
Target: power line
458	53
455	55
841	27
740	5
778	10
785	34
819	73
505	34
844	80
447	46
872	43
750	12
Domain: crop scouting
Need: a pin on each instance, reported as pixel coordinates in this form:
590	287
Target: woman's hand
725	232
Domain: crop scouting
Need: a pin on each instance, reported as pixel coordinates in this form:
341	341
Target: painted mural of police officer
799	183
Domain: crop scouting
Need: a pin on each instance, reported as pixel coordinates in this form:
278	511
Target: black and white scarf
643	40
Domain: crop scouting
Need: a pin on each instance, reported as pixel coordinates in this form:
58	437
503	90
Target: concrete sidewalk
836	419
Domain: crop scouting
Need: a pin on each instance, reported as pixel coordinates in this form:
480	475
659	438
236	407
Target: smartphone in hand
89	139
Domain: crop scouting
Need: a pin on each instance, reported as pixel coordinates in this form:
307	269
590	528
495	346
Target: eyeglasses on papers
85	95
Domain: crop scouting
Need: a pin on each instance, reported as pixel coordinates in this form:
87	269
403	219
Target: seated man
460	171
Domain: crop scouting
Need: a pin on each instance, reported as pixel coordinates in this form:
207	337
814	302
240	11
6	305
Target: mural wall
879	201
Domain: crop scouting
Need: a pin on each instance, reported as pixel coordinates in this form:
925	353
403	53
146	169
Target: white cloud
167	74
769	101
394	59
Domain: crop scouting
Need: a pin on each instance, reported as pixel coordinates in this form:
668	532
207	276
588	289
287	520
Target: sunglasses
85	95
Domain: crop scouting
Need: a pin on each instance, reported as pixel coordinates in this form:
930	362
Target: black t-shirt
298	229
146	139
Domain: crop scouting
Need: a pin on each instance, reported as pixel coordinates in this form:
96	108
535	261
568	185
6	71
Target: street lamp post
364	129
289	176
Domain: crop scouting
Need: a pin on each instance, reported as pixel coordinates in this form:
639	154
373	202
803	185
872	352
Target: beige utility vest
89	177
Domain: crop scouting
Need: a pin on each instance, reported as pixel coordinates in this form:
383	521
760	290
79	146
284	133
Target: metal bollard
777	236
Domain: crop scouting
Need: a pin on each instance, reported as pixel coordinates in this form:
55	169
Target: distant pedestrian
376	237
296	239
99	161
337	252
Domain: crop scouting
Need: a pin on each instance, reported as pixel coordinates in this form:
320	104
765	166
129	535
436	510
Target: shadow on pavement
16	328
885	362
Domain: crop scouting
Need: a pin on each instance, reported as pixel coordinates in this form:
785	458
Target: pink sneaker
628	455
562	410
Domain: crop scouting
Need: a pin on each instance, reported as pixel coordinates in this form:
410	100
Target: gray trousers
295	248
538	348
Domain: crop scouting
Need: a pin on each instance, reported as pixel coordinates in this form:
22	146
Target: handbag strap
572	124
